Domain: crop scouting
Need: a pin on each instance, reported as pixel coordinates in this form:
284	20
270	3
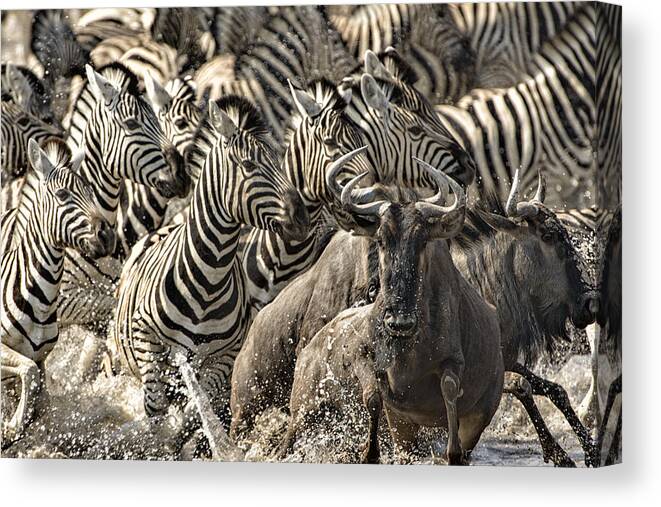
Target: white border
636	481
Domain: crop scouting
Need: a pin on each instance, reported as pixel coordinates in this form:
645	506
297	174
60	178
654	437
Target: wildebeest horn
541	188
525	209
335	168
432	206
350	197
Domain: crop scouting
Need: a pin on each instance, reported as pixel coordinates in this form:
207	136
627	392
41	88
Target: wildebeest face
402	238
558	283
402	232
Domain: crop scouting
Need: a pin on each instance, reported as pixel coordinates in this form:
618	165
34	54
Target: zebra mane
57	151
33	81
242	112
120	76
184	89
325	93
398	67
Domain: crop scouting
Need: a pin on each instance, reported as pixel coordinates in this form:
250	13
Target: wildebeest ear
360	226
447	225
499	222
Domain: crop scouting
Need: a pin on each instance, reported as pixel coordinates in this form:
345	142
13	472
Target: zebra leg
559	398
14	364
152	358
551	450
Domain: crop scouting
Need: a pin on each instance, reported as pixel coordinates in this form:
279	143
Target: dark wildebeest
427	350
524	264
610	320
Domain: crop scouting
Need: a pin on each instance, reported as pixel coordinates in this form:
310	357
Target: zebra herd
169	176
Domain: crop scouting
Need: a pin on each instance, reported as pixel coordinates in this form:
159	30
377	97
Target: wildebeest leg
402	432
374	405
614	450
614	389
559	398
17	365
450	388
551	450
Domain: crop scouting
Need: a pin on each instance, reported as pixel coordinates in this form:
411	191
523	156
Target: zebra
144	209
182	288
22	87
17	127
547	120
120	137
504	36
429	41
64	216
296	44
362	111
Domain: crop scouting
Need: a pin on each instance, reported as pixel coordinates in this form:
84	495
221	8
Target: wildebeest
610	320
427	350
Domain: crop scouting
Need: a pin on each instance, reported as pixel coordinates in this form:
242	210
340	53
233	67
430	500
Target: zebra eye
330	142
416	130
63	195
249	165
23	121
180	123
131	124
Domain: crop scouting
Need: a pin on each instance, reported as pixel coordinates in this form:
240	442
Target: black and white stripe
182	288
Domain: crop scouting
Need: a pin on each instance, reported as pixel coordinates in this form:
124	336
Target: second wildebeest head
523	261
402	231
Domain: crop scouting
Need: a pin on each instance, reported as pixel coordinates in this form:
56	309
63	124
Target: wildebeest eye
62	195
131	124
180	123
547	237
415	130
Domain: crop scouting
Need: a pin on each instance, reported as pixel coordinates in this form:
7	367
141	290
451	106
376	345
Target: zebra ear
39	160
157	95
304	102
17	83
222	123
375	68
77	160
373	94
101	87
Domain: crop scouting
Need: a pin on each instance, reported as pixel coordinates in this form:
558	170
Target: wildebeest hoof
371	456
559	458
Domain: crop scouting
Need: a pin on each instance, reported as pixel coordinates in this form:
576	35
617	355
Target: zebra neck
98	171
41	263
212	236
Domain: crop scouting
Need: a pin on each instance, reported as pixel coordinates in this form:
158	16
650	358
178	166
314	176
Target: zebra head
24	88
320	135
18	127
396	135
69	215
128	136
176	109
251	187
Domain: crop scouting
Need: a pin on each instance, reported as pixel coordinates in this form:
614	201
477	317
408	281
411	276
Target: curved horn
510	207
372	207
335	168
432	206
541	187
